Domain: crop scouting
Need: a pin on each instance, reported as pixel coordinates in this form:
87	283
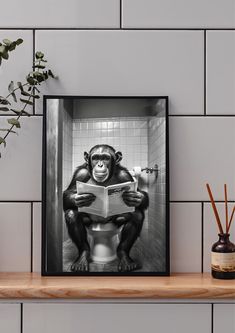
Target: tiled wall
129	135
67	149
183	49
126	134
157	186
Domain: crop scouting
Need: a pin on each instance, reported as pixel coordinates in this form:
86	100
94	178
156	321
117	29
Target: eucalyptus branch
14	90
28	89
7	46
15	122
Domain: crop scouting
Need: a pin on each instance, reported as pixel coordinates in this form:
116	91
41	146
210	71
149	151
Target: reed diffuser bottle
223	258
223	251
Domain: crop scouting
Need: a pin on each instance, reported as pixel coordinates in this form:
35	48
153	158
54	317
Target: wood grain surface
177	286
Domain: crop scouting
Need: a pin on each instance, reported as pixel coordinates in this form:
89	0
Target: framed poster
105	186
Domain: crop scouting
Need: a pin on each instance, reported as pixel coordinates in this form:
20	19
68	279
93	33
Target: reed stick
231	219
214	209
226	206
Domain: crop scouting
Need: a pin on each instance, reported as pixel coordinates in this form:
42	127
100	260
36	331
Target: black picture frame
52	243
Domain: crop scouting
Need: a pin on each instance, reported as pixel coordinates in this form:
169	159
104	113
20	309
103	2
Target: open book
108	200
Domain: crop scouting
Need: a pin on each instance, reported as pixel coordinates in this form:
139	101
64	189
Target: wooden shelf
177	286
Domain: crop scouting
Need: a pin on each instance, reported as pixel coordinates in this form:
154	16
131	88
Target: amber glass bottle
223	258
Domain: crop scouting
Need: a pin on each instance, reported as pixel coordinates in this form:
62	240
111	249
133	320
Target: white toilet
103	239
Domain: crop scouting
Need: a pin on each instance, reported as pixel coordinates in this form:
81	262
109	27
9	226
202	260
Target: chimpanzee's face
102	160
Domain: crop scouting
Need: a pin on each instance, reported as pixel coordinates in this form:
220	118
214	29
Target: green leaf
25	93
7	41
19	84
4	101
46	75
11	87
11	90
2	49
19	41
26	101
13	121
36	73
4	109
39	66
5	55
14	96
7	130
2	141
31	80
40	76
12	46
39	55
51	74
18	112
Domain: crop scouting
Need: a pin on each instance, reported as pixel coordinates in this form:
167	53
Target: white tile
211	230
37	227
19	63
60	14
15	237
224	318
136	318
220	72
199	154
185	233
10	318
178	14
21	161
127	63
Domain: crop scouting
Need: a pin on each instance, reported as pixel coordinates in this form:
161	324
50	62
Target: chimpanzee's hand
132	198
84	199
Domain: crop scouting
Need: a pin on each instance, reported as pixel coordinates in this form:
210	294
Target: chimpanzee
102	167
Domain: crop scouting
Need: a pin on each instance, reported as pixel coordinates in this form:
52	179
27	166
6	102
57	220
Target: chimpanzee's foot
81	264
126	264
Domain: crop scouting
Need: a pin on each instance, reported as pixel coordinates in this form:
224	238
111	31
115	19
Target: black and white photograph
105	186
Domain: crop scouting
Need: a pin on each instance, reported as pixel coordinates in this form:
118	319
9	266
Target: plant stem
33	79
20	114
23	85
12	126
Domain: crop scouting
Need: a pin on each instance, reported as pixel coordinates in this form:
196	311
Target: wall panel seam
212	318
117	29
202	237
21	318
120	14
33	67
205	69
31	235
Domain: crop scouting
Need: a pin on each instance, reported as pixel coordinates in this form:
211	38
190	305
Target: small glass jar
223	258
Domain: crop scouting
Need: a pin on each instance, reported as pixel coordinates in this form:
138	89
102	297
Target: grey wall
186	51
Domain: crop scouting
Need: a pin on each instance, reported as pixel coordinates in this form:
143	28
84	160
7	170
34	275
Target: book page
98	206
116	205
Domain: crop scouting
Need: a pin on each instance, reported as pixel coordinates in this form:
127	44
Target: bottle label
223	262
